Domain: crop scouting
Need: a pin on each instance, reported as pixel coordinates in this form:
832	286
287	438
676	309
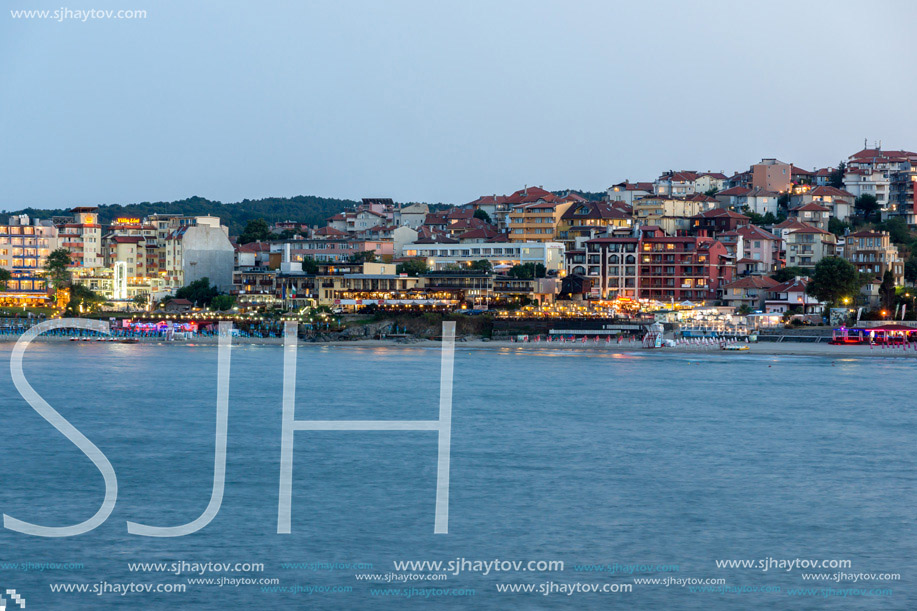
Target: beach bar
884	334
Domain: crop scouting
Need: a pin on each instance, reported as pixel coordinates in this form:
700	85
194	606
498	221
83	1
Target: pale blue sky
437	101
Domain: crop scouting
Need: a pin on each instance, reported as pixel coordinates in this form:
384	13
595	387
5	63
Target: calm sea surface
638	459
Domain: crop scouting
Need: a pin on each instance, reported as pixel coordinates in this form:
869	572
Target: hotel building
24	248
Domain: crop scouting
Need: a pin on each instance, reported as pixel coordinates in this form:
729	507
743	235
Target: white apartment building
443	256
81	235
24	248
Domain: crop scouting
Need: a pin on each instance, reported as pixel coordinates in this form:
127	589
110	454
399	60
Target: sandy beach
759	348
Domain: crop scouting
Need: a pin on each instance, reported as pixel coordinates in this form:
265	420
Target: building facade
655	266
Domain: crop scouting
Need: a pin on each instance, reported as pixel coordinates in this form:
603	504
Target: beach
822	349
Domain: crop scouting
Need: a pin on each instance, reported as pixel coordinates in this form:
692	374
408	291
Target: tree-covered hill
302	208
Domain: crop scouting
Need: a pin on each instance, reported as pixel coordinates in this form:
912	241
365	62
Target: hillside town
748	242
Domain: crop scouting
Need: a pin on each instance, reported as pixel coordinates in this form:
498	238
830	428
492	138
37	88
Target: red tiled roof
330	231
254	247
867	233
468	224
881	155
700	197
635	186
735	191
752	282
680	176
791	286
810	229
720	213
488	200
825	191
596	210
435	218
460	213
791	224
530	195
753	232
811	207
485	233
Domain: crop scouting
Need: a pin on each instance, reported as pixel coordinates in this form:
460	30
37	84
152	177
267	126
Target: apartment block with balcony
685	183
750	292
807	245
442	256
24	247
873	254
884	174
587	220
838	202
813	214
654	266
536	222
81	235
672	215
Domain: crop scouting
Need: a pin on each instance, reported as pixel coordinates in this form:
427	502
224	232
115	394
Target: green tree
198	292
309	265
412	267
527	271
364	256
256	230
222	302
56	268
887	290
83	300
833	279
837	226
141	299
754	217
788	273
898	231
866	204
5	277
482	214
482	266
767	218
836	177
910	267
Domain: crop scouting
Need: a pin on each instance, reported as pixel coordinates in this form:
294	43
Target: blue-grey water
589	459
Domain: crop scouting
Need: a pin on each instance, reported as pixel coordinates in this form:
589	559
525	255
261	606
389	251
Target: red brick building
657	266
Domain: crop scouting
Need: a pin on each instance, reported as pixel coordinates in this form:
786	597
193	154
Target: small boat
129	340
735	347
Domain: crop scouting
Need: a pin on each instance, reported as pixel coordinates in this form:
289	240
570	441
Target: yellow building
672	214
537	222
